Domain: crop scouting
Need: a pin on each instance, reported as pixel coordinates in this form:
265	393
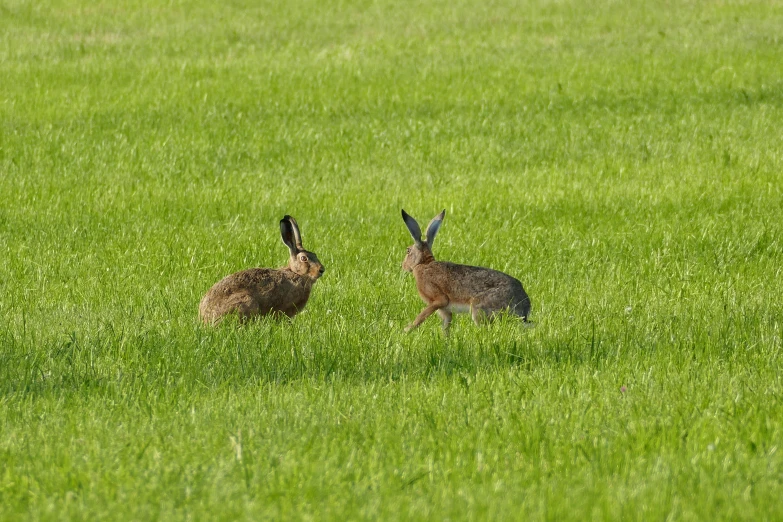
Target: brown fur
261	291
448	287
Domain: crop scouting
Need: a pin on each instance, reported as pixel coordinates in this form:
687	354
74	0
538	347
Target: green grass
622	159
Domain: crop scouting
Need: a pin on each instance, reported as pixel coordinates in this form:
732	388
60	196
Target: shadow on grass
159	362
270	351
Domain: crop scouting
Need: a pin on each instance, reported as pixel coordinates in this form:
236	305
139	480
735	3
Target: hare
448	287
261	291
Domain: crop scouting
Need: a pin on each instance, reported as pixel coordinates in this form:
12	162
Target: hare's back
253	280
243	292
485	286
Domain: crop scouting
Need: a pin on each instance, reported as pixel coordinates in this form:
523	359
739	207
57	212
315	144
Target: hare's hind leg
244	306
480	314
521	309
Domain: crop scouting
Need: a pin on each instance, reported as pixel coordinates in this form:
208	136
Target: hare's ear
413	227
434	226
287	233
297	234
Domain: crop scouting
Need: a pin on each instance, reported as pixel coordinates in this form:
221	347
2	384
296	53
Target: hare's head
301	261
421	251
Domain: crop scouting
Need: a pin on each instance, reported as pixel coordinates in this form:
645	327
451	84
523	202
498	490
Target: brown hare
261	291
448	287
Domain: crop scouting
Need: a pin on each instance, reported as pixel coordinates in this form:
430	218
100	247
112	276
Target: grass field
622	159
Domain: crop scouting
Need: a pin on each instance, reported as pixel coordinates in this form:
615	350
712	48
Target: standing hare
262	291
448	287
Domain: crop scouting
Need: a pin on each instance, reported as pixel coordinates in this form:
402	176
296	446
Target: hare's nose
321	270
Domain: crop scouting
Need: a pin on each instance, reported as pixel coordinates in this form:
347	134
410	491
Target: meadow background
622	159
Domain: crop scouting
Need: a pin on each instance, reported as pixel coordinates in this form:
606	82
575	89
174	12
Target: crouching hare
448	287
261	291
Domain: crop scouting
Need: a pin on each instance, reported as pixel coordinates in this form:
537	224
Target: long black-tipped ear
434	226
297	234
287	233
413	227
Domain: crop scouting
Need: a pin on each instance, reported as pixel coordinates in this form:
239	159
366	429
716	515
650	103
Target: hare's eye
303	259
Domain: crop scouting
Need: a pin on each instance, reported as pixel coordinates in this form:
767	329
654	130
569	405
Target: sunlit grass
623	161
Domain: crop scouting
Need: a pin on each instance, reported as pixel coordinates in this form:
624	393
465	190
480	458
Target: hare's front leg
445	315
428	311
